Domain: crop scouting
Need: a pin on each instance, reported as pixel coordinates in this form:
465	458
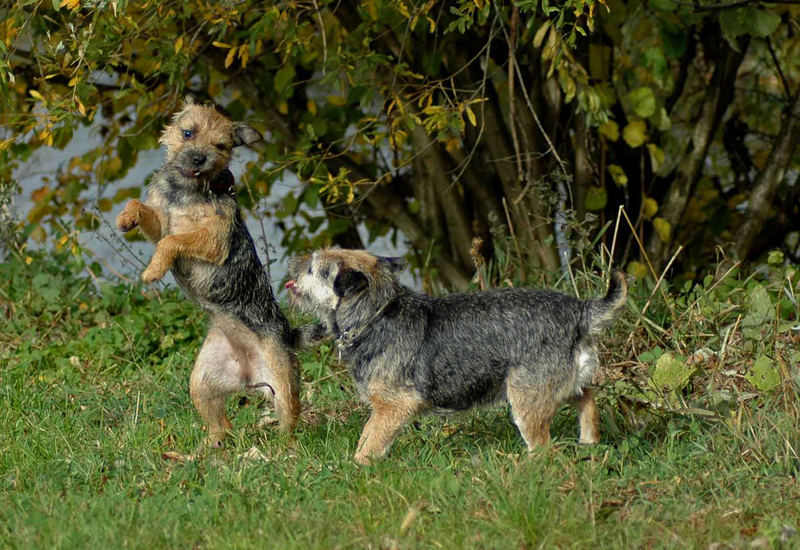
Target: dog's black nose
198	159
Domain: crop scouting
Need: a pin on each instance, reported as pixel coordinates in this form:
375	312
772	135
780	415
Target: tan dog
192	215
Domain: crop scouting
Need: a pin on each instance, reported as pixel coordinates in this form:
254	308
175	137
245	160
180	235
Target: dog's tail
603	311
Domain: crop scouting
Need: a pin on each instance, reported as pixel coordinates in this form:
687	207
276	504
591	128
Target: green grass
94	391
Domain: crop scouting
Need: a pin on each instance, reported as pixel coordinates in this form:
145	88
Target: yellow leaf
371	9
618	174
656	156
81	108
244	54
178	44
73	81
28	260
229	57
538	38
663	228
609	129
104	205
336	100
283	108
452	144
311	107
69	4
36	95
220	44
637	269
471	116
649	208
635	133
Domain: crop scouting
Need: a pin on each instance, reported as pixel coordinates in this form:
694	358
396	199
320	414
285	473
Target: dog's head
199	140
327	279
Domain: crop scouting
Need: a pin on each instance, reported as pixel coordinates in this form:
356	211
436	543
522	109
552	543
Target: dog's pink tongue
291	284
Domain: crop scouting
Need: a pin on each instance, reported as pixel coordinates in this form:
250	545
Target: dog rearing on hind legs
192	216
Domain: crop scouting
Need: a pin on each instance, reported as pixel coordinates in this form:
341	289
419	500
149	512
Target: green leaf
643	101
674	39
775	257
661	120
764	376
748	20
764	22
671	374
662	5
283	78
734	22
635	133
759	313
596	198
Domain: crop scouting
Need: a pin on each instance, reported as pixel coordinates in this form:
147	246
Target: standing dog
410	353
192	215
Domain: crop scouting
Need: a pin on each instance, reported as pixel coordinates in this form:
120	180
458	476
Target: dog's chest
187	219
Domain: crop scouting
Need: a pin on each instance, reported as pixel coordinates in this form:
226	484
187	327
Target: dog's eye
310	270
187	134
324	273
220	146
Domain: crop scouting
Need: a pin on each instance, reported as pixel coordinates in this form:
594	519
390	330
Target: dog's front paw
153	272
129	217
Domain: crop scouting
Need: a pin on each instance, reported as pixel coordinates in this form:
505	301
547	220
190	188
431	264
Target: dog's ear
189	99
244	134
392	264
349	281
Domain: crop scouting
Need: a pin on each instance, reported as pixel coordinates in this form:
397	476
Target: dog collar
347	337
222	184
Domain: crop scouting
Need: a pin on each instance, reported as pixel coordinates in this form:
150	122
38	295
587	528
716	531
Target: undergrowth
699	398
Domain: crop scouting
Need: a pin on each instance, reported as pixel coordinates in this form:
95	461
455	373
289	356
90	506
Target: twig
512	123
514	237
513	58
727	5
324	40
778	68
661	278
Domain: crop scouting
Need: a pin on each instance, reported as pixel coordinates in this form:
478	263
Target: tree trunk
768	181
715	103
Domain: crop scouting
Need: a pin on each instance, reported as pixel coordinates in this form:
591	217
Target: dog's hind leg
279	367
532	409
588	417
216	374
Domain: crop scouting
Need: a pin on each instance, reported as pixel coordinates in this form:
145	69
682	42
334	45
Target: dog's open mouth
190	173
291	286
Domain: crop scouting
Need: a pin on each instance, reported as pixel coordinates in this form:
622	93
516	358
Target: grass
94	396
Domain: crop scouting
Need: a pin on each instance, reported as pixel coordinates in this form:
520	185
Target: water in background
129	258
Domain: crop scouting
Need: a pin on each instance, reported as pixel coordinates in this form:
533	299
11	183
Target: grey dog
410	353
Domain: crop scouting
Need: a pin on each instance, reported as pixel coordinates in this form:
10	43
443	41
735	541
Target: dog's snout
291	284
198	159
